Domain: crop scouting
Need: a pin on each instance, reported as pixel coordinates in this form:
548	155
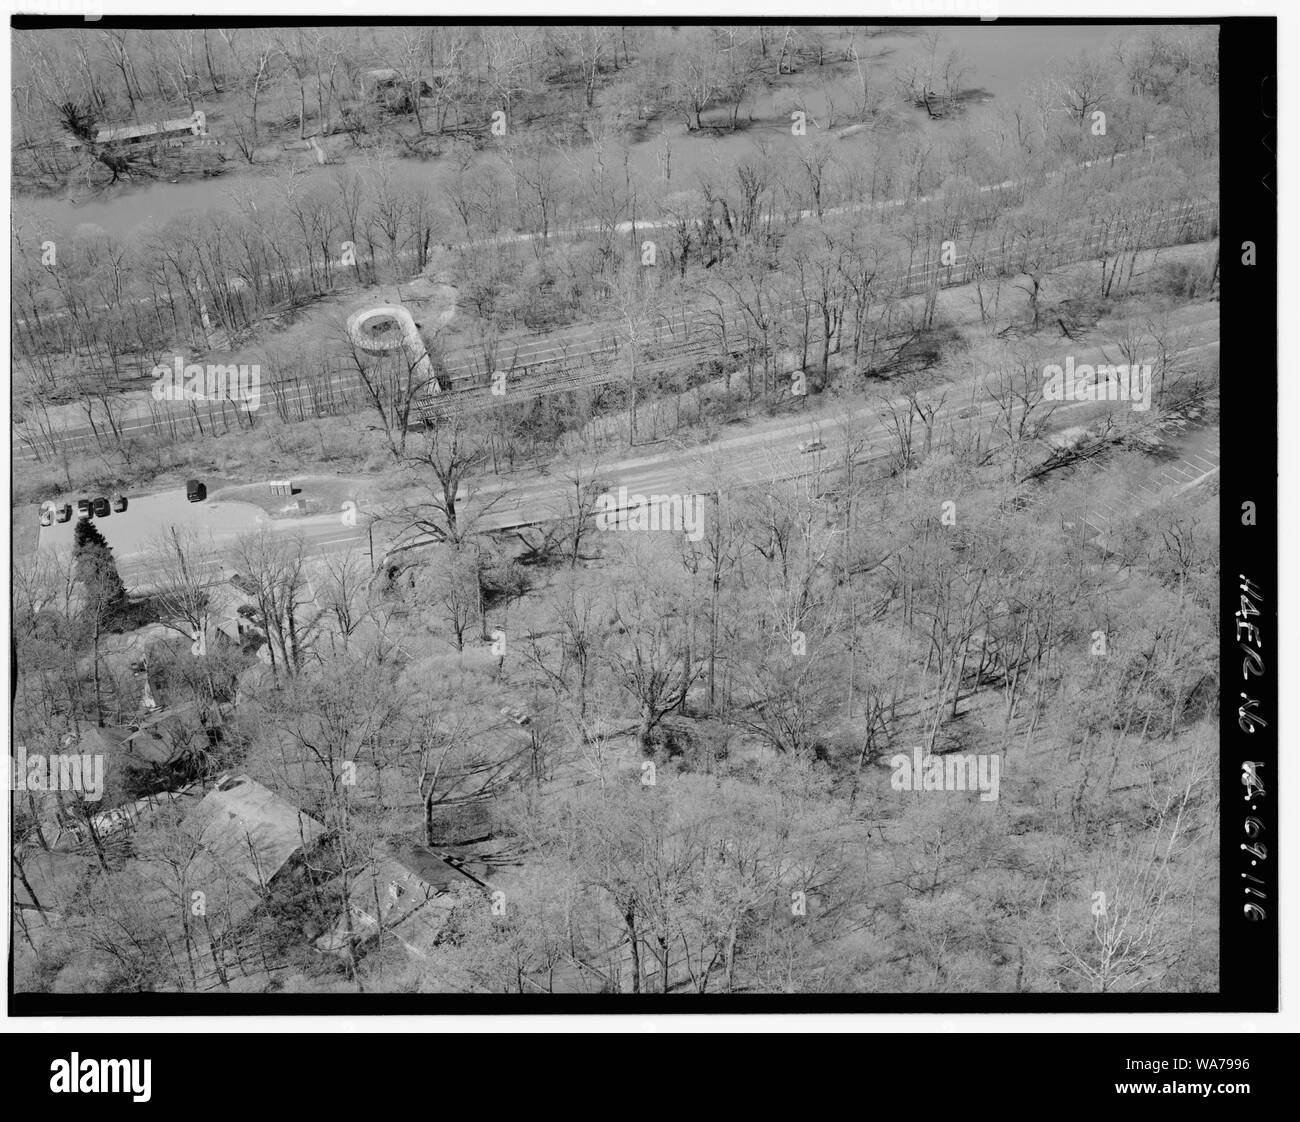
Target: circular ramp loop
390	327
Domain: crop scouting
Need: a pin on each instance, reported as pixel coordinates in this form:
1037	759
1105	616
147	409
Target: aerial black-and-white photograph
617	509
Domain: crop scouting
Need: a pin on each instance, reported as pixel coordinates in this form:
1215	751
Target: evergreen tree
96	569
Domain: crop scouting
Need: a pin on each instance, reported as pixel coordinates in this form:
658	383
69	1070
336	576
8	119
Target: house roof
146	741
129	815
402	893
135	132
249	829
145	744
433	868
229	627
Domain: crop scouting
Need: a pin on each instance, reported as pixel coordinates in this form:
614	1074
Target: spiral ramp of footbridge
390	327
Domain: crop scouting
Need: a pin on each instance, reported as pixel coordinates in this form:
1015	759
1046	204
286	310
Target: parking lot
134	531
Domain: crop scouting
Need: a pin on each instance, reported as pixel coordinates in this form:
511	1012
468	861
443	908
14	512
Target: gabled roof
144	741
248	829
111	134
147	745
229	627
403	894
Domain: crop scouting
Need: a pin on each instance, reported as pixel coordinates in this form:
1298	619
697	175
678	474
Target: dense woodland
668	759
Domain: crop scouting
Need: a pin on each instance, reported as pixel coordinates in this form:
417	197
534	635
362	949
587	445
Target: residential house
404	894
247	835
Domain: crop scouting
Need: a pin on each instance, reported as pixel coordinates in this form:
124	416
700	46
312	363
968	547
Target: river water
1000	57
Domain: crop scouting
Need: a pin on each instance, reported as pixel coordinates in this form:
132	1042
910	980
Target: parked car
119	503
101	507
196	491
83	508
47	513
807	446
64	513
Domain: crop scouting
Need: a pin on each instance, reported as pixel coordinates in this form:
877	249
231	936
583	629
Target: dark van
196	491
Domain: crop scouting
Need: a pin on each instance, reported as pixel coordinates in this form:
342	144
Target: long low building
172	129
